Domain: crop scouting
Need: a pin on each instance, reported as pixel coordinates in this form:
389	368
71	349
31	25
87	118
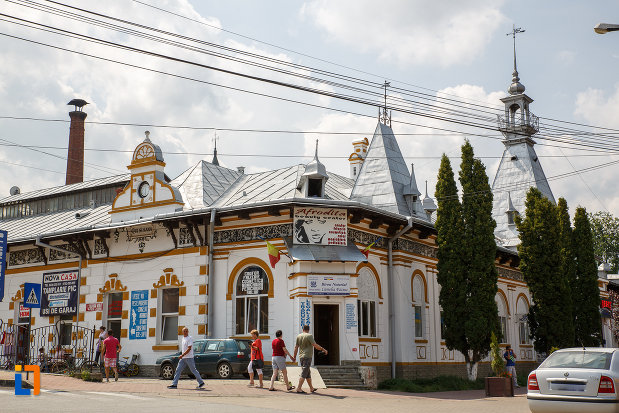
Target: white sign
24	312
305	312
252	281
322	226
328	285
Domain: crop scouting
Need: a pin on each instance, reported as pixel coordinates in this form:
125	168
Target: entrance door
327	334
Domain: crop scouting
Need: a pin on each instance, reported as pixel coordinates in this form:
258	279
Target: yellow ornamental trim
168	279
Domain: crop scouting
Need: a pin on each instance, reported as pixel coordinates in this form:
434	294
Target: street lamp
603	28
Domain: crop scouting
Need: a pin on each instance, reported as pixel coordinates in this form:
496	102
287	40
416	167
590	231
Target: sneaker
172	386
201	385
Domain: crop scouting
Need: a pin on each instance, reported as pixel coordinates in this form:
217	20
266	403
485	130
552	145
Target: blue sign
32	295
3	246
139	315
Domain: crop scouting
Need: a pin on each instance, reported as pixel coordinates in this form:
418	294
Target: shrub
436	384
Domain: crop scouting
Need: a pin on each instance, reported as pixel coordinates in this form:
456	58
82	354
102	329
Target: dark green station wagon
221	357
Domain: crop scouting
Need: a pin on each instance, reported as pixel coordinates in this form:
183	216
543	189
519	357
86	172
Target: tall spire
215	161
516	87
383	116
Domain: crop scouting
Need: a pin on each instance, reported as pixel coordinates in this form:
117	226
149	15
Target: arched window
252	300
522	313
366	304
418	305
502	307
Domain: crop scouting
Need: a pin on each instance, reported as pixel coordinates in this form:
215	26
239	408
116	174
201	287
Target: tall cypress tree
479	254
540	263
451	273
568	269
586	292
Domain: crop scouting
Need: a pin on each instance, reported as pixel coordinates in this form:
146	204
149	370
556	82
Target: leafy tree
466	255
451	273
586	292
540	263
605	231
568	267
479	254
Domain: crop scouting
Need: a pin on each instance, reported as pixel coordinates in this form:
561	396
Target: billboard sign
320	226
328	285
139	315
60	293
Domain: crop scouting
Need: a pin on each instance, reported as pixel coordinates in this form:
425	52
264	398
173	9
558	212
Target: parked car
575	380
221	357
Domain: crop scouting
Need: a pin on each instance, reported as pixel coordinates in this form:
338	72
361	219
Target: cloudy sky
448	59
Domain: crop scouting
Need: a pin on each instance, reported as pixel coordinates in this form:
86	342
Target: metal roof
204	183
384	174
519	170
64	189
340	253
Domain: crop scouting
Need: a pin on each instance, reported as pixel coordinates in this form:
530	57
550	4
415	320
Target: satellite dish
14	190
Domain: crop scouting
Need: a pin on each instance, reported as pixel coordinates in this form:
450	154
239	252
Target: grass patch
440	383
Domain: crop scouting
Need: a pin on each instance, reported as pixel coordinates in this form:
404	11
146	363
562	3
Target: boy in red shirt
111	348
279	360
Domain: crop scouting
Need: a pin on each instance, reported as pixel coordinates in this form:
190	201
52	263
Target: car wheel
224	370
167	371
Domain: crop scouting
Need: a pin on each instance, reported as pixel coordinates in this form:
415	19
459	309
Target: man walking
510	357
305	346
111	348
186	360
102	336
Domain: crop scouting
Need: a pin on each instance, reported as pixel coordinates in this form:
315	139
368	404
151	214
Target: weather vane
513	33
383	117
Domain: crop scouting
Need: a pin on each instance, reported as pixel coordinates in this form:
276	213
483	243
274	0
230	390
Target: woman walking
279	360
257	359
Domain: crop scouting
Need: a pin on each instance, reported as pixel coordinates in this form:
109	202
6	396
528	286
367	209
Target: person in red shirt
257	359
111	348
279	360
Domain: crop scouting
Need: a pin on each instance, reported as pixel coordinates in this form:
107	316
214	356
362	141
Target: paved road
63	394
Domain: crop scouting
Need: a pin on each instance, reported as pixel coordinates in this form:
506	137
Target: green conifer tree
479	254
540	263
588	323
451	273
568	269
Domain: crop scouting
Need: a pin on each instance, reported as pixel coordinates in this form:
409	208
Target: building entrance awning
310	252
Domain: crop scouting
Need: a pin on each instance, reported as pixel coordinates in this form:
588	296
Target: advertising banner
328	285
3	241
305	312
59	293
320	226
24	312
139	315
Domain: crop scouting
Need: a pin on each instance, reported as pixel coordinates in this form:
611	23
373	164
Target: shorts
250	368
110	362
305	364
279	363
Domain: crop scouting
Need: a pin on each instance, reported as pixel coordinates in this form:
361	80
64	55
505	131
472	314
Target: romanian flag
366	250
273	254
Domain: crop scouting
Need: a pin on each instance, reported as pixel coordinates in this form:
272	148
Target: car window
243	345
198	346
231	345
578	360
213	345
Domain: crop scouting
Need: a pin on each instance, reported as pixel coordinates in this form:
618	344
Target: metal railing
519	123
59	349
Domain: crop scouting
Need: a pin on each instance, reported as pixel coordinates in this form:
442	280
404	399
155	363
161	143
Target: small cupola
313	181
412	195
511	211
428	204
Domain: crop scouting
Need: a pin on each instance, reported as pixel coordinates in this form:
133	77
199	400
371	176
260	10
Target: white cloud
410	32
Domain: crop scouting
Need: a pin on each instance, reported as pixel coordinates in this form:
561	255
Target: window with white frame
522	313
502	307
114	313
252	301
418	306
367	303
169	314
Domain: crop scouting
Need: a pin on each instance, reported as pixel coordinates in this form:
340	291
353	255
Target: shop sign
328	285
305	312
146	231
24	312
351	317
321	226
252	281
139	315
3	245
59	295
94	307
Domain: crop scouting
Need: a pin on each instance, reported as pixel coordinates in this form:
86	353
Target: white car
575	380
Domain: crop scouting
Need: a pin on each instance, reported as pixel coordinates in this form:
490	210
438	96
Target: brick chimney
75	156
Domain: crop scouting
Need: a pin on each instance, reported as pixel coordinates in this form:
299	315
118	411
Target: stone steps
341	377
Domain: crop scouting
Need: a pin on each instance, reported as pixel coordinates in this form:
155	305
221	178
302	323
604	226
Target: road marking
127	396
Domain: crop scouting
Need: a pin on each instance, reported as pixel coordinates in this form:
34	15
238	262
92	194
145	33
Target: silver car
575	380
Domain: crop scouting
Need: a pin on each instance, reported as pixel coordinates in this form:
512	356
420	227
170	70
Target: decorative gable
147	193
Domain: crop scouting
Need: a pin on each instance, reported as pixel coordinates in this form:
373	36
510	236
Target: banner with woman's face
322	226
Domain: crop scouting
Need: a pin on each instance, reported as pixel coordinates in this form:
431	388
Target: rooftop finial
215	161
383	116
147	133
516	87
316	153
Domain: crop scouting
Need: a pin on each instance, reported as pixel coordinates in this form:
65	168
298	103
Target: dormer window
314	188
511	217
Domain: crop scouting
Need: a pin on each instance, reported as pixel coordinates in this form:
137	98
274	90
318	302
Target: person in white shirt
186	360
99	349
